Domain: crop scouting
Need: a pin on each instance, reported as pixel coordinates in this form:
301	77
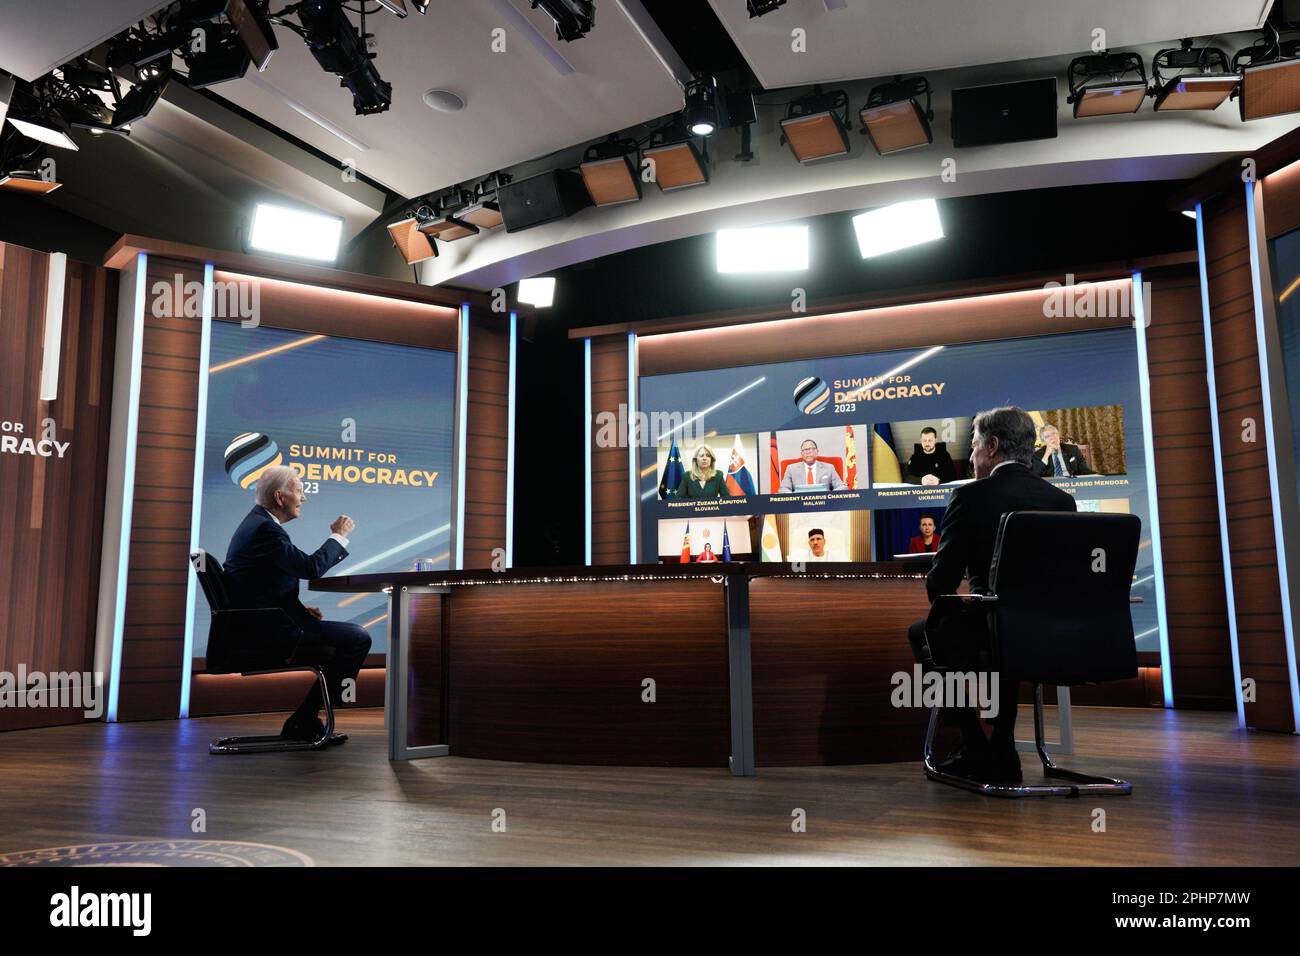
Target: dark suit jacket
970	525
715	487
1075	463
958	632
263	567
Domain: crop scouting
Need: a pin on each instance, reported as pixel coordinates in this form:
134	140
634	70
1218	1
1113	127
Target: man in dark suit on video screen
1002	448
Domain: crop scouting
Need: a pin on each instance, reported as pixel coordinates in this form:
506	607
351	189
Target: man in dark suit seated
1059	459
264	568
1002	448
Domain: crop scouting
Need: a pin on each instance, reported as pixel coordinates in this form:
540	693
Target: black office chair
1059	617
251	642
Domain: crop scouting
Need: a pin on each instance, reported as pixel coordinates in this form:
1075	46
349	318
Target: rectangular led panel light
537	292
819	136
413	244
763	249
1110	99
1270	89
27	182
296	233
611	182
51	132
677	166
899	226
895	127
1199	92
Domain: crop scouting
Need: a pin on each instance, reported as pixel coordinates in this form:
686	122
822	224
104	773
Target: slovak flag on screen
739	481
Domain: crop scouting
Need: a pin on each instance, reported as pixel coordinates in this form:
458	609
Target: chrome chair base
275	743
1080	784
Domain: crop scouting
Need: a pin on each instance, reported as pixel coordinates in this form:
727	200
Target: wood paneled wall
1200	647
152	657
608	484
1251	523
51	509
487	419
153	636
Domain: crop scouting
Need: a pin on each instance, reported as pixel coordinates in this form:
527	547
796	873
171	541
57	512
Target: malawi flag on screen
739	481
850	458
673	473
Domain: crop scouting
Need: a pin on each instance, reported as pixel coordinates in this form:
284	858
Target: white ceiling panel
873	38
38	35
521	103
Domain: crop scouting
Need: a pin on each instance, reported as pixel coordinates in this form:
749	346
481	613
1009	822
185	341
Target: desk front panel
554	672
824	652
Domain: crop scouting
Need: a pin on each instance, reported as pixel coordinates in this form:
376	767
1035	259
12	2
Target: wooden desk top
619	572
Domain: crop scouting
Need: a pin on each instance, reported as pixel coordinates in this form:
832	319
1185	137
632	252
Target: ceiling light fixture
1270	76
574	19
414	245
1202	79
25	181
295	232
537	292
894	120
609	172
896	227
816	126
47	127
764	249
675	161
1098	84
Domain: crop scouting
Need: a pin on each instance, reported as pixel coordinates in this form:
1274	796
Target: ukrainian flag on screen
884	463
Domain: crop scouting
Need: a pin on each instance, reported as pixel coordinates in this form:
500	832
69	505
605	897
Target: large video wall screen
369	428
854	458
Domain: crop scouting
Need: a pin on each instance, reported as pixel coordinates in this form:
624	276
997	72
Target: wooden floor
1203	793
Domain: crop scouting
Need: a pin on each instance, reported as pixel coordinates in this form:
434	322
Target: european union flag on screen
673	473
726	543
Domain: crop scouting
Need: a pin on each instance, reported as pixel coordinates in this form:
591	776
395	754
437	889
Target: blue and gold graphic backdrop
1079	370
370	428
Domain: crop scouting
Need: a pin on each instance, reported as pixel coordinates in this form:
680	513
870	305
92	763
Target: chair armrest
970	598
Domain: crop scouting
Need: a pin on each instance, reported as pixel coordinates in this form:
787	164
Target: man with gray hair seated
1002	458
264	567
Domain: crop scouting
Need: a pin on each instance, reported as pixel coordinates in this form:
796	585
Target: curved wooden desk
652	665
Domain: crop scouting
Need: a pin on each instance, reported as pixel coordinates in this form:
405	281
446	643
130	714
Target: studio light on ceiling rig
758	8
1192	78
574	19
609	171
1107	84
677	162
1270	76
894	119
816	126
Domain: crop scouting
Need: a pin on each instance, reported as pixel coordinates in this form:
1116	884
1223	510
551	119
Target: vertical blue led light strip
1153	504
510	447
196	505
1266	393
462	418
1218	467
586	449
634	438
128	481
